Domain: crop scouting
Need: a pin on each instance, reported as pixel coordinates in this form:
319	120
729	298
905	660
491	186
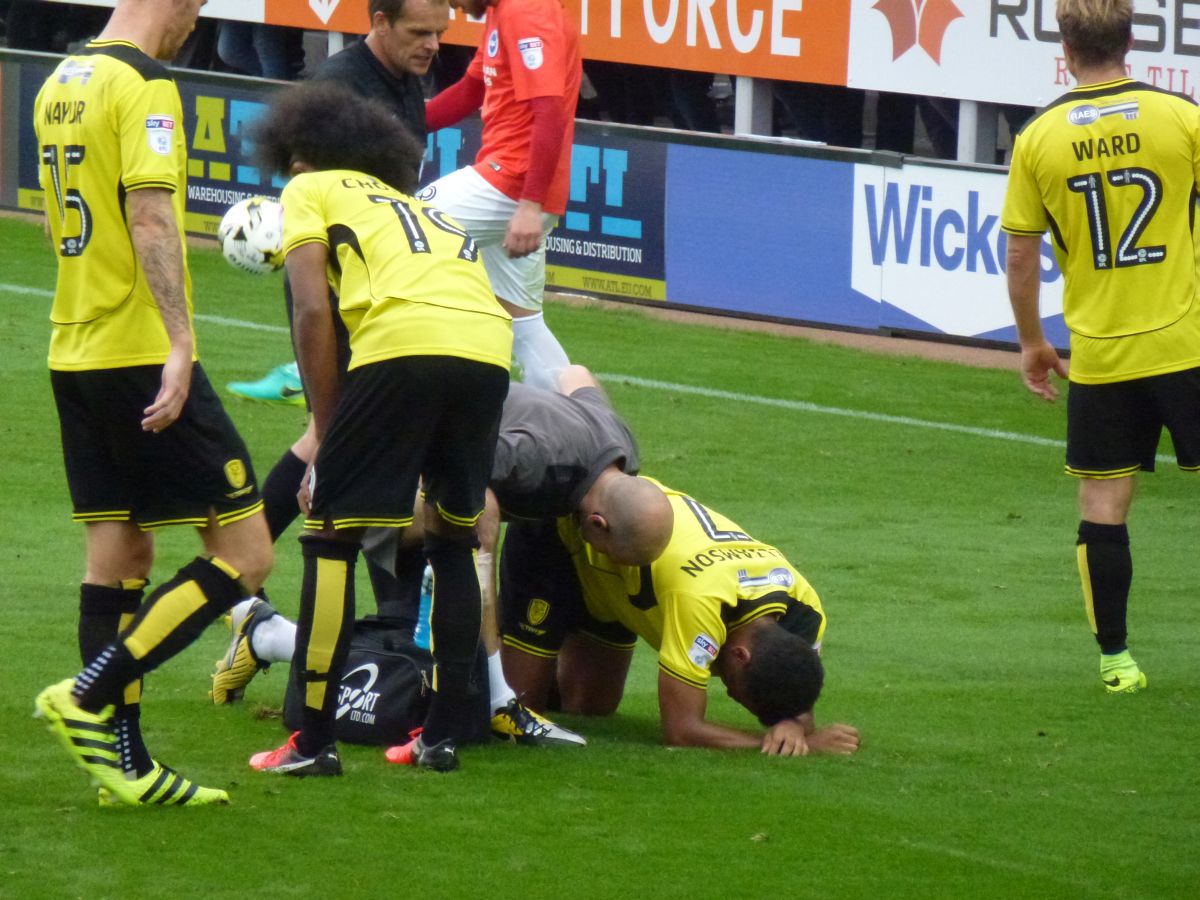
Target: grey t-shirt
552	448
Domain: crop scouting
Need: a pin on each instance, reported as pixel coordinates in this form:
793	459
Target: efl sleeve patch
530	49
703	651
160	134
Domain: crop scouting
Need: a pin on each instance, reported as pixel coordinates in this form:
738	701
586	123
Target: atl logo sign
918	22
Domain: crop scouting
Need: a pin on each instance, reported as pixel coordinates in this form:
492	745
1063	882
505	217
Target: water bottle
421	633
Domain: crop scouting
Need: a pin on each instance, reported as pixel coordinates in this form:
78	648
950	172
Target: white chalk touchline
240	323
199	317
715	393
805	406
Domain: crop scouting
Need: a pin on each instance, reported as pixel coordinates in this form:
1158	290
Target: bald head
627	518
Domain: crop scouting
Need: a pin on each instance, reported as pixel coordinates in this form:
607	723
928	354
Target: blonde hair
1097	31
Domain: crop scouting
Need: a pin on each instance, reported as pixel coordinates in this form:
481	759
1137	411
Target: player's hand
834	739
785	738
304	495
524	234
1037	362
173	392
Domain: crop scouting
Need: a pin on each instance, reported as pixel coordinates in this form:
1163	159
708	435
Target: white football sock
535	347
501	692
274	640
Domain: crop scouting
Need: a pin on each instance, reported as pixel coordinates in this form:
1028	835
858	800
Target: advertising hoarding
744	226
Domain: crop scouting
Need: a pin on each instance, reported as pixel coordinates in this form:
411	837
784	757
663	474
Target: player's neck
137	29
1089	75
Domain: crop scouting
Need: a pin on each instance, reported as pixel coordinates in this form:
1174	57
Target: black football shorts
118	472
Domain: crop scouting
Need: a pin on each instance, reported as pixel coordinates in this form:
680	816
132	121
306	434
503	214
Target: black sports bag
385	689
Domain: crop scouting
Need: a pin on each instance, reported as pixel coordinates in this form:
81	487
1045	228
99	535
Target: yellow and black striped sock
170	619
323	635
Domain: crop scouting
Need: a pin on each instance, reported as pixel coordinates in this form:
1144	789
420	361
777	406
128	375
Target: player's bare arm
156	241
1038	356
316	345
683	707
316	342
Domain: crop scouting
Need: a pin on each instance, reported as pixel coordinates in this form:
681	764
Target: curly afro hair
328	126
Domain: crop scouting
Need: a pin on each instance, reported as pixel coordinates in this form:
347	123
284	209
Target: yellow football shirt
409	280
108	121
1111	171
712	578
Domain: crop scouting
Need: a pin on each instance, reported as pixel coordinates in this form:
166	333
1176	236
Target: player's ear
739	654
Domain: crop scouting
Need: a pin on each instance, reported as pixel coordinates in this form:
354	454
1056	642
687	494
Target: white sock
274	639
535	347
501	692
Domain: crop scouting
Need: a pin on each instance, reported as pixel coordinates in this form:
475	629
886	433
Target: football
251	235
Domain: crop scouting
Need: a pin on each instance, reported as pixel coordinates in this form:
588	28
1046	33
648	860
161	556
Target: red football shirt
529	48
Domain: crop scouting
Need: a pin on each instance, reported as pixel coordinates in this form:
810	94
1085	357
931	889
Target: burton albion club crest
236	475
537	611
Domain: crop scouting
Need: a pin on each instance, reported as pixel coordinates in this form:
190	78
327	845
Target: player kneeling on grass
715	601
429	344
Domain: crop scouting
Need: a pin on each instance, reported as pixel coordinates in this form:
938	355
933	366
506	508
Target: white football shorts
485	212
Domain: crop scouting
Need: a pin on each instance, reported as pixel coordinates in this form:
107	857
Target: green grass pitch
993	765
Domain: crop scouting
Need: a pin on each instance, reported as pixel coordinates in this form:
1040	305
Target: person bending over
573	600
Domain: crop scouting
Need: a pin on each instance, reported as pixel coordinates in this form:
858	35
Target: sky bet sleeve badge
160	133
703	651
531	52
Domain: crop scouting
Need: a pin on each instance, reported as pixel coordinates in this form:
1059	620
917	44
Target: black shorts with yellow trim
119	473
429	420
1113	429
541	600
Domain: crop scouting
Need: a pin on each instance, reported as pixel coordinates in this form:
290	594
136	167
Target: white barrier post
968	137
976	132
752	100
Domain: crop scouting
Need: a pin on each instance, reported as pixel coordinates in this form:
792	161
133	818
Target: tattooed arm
157	242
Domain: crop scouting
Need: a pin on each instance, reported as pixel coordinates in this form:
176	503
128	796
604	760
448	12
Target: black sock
1105	571
454	624
100	610
170	619
103	612
398	597
323	631
280	505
